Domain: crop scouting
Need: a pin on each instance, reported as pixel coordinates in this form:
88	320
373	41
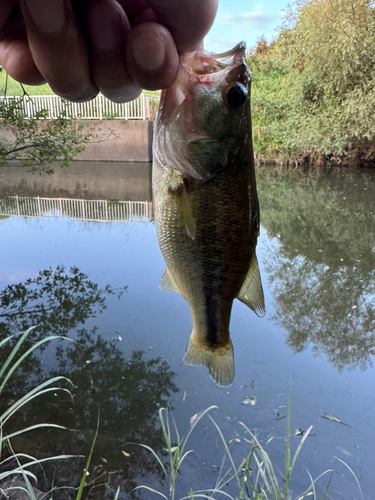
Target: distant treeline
313	94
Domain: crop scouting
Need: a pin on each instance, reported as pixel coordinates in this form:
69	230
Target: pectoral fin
251	292
167	283
185	209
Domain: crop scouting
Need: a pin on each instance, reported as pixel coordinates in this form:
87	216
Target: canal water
79	258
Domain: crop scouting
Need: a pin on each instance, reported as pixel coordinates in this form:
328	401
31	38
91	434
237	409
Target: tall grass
256	477
86	469
20	463
176	450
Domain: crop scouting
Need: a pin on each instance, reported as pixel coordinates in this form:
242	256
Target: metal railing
86	210
99	108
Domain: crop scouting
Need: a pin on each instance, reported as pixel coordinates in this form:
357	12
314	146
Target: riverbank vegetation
39	142
314	86
9	87
255	477
16	468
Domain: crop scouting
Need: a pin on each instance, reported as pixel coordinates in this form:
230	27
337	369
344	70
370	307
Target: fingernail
47	16
149	51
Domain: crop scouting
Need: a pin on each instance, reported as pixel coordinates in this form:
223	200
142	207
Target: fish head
204	117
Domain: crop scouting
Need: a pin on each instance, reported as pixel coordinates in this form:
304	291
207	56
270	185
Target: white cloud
257	18
220	44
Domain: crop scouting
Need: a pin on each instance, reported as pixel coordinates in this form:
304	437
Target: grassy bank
314	86
10	87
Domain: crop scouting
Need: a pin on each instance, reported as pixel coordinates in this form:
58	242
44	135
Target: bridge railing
99	108
68	208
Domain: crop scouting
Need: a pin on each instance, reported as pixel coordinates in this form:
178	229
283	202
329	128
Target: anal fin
167	283
251	292
219	361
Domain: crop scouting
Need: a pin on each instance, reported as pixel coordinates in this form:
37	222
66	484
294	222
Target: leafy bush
314	87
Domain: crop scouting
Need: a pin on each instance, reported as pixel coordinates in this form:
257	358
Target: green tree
314	89
38	142
333	39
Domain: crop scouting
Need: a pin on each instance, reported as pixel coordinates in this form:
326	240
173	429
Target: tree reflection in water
320	259
57	301
128	390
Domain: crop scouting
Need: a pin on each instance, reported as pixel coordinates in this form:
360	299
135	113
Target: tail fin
219	361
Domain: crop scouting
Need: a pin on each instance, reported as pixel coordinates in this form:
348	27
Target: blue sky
246	20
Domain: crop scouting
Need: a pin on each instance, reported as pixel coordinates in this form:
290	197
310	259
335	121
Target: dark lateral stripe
213	320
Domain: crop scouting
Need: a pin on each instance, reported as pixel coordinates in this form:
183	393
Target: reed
176	449
256	477
20	463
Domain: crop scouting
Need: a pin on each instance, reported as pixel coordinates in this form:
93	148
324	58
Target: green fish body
206	204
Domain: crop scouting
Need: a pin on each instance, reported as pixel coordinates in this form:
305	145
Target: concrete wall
119	140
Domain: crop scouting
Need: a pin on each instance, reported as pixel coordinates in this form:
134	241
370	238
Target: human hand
81	47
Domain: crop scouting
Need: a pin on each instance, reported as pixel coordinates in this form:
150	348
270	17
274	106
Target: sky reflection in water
98	283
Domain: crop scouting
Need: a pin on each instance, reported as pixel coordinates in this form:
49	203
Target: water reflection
89	191
127	388
57	300
78	209
314	292
83	179
320	260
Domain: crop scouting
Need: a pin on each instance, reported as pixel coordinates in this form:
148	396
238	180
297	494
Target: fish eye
236	95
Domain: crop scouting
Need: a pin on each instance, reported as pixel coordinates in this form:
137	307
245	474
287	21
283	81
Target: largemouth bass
206	204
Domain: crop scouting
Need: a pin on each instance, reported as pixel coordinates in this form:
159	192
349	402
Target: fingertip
27	74
126	93
16	59
151	56
106	29
58	48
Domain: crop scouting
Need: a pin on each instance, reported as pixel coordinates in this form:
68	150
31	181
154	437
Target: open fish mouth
206	63
205	68
204	107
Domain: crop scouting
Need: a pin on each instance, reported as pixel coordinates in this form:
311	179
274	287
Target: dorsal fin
251	292
167	283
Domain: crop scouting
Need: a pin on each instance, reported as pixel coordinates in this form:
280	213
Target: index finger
58	48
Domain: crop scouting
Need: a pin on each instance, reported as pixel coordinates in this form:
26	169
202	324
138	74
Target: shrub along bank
313	93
